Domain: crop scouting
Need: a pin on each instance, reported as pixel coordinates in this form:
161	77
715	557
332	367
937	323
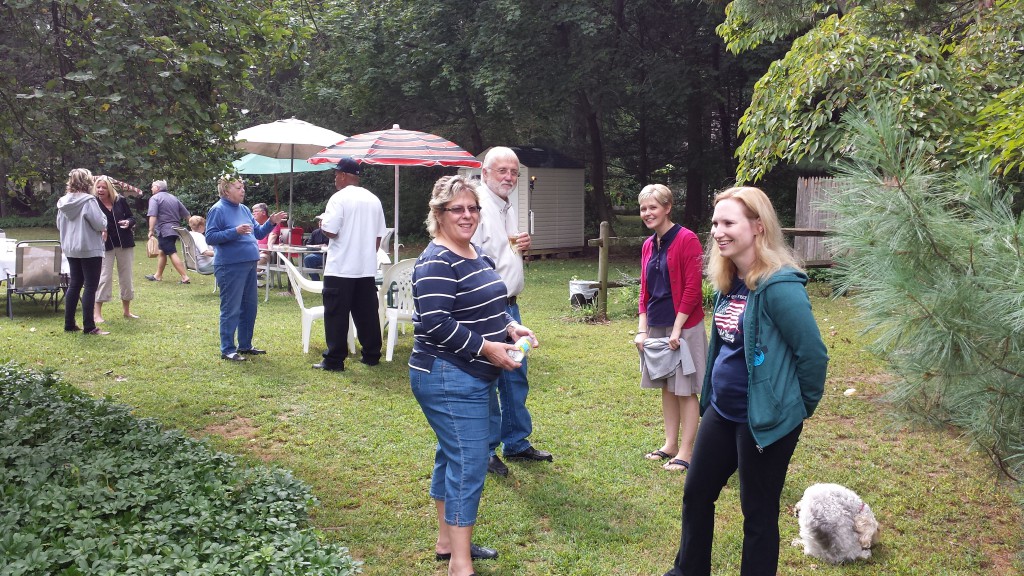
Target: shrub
630	291
707	292
89	489
45	221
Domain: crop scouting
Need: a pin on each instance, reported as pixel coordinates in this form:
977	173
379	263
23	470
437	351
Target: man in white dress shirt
497	233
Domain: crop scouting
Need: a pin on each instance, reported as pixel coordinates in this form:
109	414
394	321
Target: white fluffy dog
835	524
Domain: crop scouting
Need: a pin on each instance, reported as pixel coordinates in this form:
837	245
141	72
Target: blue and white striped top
459	303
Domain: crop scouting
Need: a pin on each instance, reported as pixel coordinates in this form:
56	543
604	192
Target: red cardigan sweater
685	271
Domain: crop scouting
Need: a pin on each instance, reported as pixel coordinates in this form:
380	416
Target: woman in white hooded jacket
83	228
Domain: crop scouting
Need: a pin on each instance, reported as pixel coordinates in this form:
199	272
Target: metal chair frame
33	279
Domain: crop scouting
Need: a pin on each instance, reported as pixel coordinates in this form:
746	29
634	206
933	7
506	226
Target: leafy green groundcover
87	488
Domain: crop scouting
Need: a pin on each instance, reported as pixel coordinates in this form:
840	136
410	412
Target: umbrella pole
291	186
395	235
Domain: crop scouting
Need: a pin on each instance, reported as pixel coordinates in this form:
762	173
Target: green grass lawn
360	440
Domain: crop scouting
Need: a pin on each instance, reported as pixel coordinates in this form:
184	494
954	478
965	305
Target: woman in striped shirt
462	339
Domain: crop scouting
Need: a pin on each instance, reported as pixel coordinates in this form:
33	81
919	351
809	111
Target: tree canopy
128	88
639	91
953	68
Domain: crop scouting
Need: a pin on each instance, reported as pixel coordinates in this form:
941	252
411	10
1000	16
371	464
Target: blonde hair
110	186
771	253
79	180
659	192
196	221
224	181
445	190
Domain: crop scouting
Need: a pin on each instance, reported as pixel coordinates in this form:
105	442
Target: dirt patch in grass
244	431
238	427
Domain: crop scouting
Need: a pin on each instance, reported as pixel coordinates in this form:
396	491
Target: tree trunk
598	166
643	166
4	202
476	137
693	214
693	210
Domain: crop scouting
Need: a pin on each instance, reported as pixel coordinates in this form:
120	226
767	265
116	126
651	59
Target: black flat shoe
496	466
475	553
252	351
530	453
328	367
234	357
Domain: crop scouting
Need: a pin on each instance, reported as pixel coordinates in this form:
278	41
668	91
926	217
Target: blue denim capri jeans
458	407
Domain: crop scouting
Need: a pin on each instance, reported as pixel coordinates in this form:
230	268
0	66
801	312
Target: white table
273	267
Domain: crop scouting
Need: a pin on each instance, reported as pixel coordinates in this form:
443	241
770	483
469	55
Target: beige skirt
681	384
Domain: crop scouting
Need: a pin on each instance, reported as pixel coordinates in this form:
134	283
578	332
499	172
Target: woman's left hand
497	354
277	217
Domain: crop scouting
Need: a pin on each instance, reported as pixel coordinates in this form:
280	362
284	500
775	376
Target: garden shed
548	199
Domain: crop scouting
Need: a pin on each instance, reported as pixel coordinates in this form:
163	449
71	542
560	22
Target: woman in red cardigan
671	313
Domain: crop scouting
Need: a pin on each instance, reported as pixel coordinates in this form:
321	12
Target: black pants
358	297
721	448
85	277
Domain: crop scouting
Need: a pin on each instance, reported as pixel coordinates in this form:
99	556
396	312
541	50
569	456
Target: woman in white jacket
83	229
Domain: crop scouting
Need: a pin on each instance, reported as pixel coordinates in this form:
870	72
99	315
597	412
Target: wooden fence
812	223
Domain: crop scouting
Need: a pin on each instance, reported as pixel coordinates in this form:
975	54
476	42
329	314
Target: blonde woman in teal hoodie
765	376
83	233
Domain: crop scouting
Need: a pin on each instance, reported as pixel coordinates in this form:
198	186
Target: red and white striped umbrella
397	147
126	188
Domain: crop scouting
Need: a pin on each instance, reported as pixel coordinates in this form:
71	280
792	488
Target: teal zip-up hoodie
786	358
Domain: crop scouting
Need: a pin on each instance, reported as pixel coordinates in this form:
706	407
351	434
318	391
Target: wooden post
602	273
604	244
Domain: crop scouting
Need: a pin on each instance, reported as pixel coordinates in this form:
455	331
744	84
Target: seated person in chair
315	259
261	212
204	254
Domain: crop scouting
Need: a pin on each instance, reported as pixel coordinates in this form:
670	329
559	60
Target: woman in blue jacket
233	230
766	374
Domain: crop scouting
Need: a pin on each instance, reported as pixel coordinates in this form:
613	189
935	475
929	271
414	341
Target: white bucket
582	292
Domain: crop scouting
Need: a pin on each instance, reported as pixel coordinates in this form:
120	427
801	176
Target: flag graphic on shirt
727	317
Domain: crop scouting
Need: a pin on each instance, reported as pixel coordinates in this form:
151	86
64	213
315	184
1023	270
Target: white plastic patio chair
300	283
398	305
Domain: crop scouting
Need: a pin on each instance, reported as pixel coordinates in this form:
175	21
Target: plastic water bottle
522	348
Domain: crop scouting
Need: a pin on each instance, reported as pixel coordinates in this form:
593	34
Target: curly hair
224	181
79	180
445	190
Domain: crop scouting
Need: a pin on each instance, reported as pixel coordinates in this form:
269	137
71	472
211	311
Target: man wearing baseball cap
354	225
